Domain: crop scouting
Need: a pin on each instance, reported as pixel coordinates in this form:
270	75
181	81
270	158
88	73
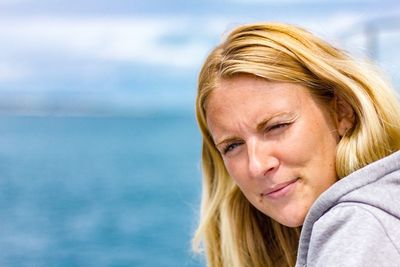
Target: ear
344	114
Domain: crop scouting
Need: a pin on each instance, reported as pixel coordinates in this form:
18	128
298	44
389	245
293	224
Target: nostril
264	168
261	167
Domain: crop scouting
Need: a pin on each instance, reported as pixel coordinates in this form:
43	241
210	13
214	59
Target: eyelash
230	146
278	126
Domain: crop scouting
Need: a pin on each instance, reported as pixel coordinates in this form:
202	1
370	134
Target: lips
279	190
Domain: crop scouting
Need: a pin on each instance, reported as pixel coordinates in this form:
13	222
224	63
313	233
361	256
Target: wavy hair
232	232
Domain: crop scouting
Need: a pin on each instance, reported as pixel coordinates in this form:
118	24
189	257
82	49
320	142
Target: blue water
87	191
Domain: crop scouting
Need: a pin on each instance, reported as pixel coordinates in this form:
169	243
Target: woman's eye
230	147
278	126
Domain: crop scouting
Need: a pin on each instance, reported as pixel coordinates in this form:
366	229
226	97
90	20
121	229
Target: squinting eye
230	147
278	126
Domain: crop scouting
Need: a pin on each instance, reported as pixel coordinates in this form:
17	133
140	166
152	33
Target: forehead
243	92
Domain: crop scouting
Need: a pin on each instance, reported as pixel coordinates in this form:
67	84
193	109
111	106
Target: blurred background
99	150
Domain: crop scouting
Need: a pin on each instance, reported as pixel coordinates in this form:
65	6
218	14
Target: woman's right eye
228	148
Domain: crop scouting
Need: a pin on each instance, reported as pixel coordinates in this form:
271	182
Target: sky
69	57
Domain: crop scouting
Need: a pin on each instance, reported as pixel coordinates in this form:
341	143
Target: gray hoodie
356	222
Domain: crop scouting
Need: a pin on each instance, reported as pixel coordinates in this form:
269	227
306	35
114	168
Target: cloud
51	46
40	46
11	73
113	39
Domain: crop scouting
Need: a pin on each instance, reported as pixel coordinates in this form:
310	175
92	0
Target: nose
261	162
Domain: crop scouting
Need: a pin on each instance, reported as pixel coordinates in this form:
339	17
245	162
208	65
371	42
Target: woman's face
278	143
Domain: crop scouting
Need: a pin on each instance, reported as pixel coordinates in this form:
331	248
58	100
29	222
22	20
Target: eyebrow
260	126
226	140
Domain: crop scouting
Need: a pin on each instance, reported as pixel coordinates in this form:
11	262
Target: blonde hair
232	231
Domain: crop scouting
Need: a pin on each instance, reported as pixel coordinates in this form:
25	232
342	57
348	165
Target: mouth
280	190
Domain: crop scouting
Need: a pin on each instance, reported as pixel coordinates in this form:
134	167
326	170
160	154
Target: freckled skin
270	133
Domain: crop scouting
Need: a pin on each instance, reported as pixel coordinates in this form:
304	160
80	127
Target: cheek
237	170
311	142
317	156
297	147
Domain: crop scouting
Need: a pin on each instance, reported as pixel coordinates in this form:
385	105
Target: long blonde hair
233	232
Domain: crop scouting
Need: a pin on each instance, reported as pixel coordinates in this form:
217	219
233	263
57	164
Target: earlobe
345	115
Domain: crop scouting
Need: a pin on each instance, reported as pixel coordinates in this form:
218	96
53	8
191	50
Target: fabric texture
356	222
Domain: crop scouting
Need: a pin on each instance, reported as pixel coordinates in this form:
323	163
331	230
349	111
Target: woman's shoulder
359	217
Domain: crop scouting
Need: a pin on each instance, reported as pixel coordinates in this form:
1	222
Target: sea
99	191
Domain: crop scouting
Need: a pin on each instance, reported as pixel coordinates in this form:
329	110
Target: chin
292	224
290	216
291	221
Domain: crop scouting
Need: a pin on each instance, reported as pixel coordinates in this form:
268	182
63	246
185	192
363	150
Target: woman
299	154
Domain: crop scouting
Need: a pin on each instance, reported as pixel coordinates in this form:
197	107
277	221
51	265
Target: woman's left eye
278	126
